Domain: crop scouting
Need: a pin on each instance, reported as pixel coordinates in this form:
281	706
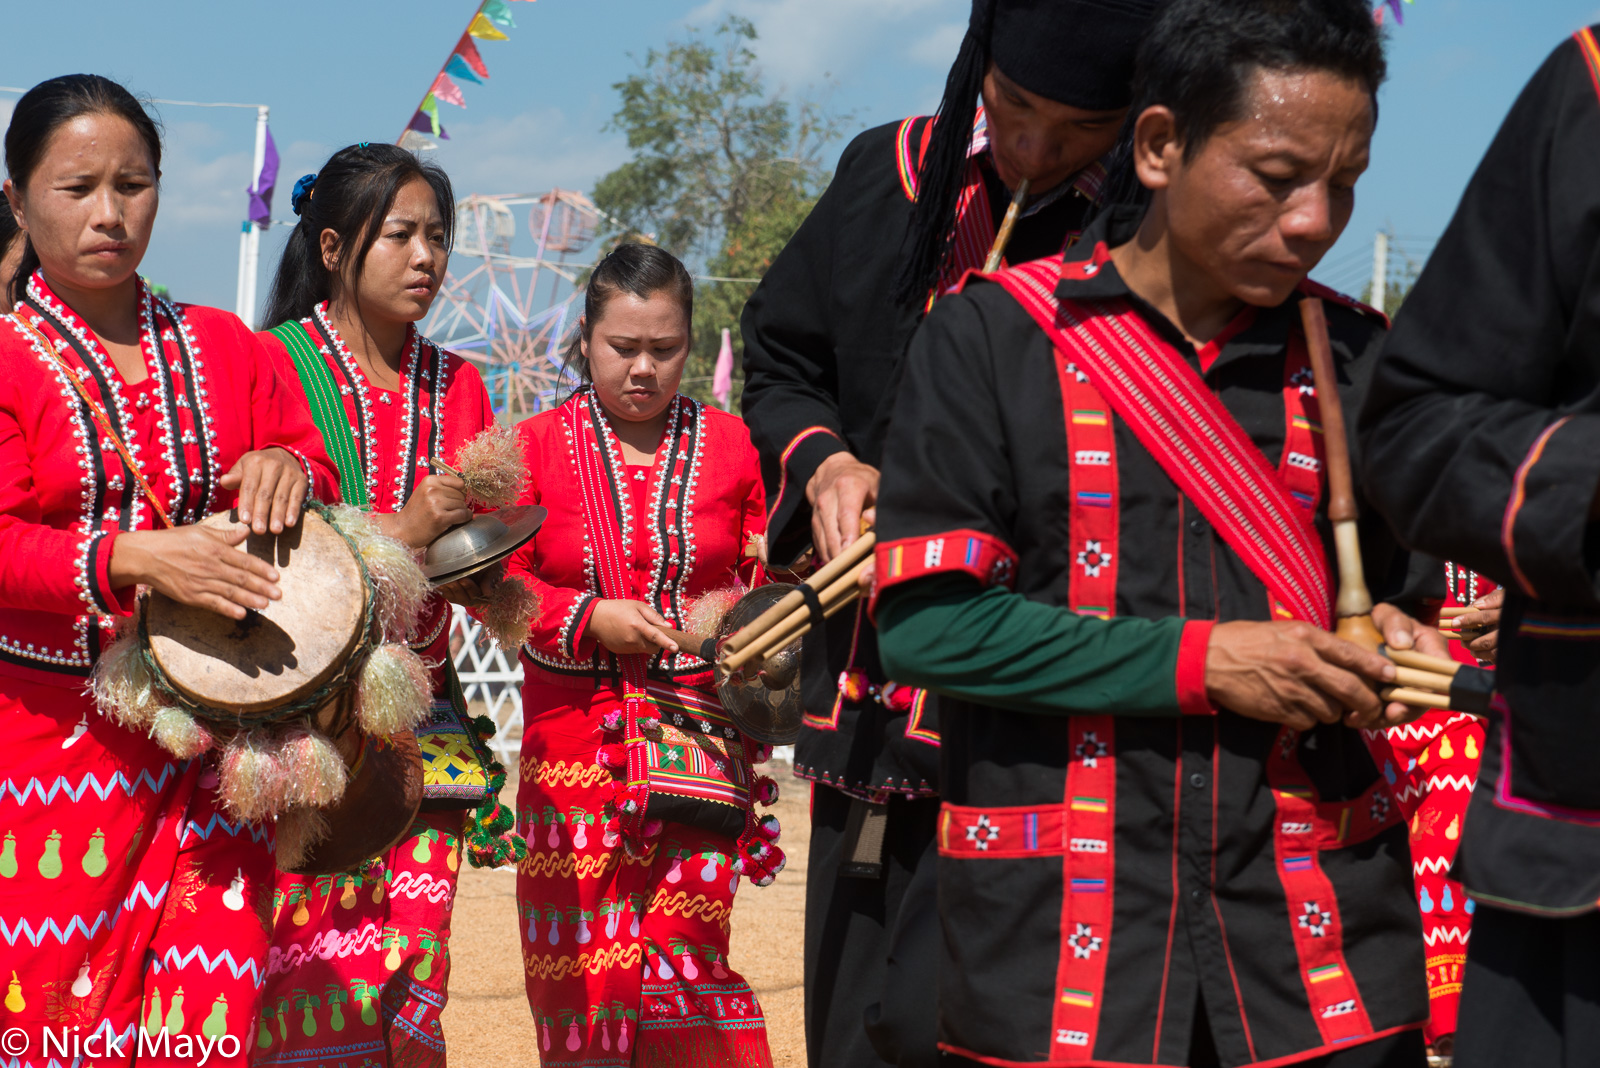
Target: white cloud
528	153
803	41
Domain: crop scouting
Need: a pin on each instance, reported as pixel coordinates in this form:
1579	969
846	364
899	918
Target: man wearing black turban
913	206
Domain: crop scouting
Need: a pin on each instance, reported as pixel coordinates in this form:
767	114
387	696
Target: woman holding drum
127	897
362	266
635	789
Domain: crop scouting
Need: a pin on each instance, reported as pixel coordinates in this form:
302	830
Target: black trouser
1531	993
872	945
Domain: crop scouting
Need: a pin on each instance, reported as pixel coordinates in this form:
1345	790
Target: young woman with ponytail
361	267
637	793
128	896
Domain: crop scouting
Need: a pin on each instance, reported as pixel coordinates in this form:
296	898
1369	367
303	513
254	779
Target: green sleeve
994	647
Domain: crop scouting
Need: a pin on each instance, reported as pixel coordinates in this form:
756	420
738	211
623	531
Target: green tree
722	173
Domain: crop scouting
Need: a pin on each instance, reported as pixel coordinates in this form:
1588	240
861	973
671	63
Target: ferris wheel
513	314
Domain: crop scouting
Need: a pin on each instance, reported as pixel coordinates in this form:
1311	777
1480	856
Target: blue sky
337	71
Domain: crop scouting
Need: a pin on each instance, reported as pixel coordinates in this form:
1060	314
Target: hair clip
302	192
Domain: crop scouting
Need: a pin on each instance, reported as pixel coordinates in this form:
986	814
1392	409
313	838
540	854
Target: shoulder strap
1197	442
327	410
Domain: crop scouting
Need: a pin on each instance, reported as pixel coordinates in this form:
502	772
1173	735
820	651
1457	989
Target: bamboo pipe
844	591
1414	679
792	601
1423	662
1416	698
997	251
1454	613
1353	607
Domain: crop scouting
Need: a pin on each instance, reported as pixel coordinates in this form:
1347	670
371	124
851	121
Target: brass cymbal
486	539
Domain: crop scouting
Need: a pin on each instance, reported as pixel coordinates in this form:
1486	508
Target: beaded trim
674	478
411	377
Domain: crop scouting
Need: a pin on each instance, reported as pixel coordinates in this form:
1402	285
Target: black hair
636	268
46	108
933	216
1200	55
8	227
350	195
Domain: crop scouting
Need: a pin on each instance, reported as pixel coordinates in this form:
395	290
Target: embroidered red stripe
971	552
1197	442
1093	515
1519	489
1301	828
1088	877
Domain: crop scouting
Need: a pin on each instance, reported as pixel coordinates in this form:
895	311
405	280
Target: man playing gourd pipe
914	205
1104	544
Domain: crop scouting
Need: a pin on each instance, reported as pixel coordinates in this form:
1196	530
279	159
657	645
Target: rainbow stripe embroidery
1083	999
1094	500
1088	886
1089	804
1085	417
1565	629
1324	973
1302	863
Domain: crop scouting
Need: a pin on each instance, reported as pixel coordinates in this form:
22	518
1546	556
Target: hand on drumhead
196	565
1294	674
840	491
629	627
272	488
438	503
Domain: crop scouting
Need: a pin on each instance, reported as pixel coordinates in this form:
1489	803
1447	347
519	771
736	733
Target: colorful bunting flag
499	13
457	68
465	49
484	30
447	90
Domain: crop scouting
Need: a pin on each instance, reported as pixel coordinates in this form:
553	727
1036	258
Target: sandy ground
486	1020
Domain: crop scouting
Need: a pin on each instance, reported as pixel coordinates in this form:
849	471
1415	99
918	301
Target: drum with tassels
308	703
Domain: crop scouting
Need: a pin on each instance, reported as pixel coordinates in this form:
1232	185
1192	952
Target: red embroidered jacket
691	517
211	395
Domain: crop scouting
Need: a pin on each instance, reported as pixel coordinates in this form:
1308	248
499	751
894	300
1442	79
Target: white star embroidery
1083	942
1315	920
1090	750
1304	380
1093	558
983	832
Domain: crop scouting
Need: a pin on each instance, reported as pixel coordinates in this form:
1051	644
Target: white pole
250	240
240	307
1380	271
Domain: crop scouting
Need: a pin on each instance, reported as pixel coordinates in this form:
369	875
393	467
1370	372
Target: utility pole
250	235
1380	271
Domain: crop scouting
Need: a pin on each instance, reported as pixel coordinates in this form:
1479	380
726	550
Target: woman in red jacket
132	905
360	269
635	789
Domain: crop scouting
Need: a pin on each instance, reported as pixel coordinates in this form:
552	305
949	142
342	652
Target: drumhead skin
285	652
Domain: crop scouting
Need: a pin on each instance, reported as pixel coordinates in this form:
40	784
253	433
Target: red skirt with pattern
360	962
1432	764
626	958
131	908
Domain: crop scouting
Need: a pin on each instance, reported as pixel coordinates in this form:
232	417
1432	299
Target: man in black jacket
914	205
1482	445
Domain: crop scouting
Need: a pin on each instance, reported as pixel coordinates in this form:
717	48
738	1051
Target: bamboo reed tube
997	251
1422	680
842	591
1415	698
859	549
1422	662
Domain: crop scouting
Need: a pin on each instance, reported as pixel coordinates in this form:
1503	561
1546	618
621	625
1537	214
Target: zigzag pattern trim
550	865
1422	731
36	935
558	968
421	884
139	892
1451	782
563	774
172	960
1430	866
1407	792
62	785
1447	934
257	831
709	910
326	945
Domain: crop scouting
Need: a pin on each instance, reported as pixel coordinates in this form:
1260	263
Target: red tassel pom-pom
766	790
612	720
767	827
853	685
612	756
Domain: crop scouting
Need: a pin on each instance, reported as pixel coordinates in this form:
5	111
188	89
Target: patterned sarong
360	961
131	908
626	959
